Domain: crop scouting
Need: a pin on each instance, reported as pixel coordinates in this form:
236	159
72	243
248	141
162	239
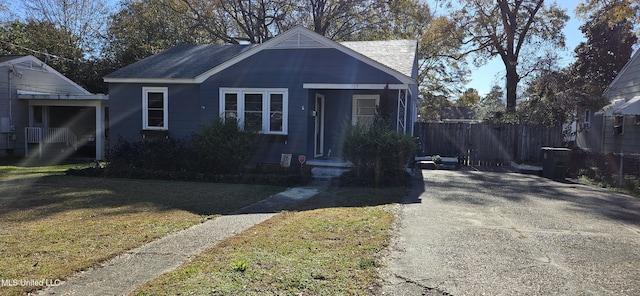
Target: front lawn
333	248
54	225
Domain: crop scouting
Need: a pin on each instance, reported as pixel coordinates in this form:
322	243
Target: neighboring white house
615	127
42	111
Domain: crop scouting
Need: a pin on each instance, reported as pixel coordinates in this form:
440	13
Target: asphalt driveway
489	233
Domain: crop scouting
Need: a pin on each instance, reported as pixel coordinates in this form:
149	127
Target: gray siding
294	67
628	142
627	84
125	110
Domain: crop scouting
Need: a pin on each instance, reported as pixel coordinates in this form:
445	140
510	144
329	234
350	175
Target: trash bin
554	162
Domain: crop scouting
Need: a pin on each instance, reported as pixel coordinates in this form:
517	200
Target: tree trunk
511	86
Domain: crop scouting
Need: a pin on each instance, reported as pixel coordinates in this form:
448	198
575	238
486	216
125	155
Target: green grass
54	225
330	247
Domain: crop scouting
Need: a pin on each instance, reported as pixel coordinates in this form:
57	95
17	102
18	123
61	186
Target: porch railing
49	135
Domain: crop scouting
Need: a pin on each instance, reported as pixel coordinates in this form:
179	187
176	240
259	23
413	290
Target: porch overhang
353	86
630	107
608	110
29	95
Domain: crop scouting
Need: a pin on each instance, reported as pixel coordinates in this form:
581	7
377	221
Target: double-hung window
155	103
262	109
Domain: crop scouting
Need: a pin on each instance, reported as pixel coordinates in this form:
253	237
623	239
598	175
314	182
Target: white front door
319	126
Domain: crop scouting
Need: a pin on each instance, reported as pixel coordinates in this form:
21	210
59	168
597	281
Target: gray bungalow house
616	127
301	88
43	112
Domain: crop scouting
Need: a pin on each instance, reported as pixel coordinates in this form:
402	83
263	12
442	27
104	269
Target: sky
493	72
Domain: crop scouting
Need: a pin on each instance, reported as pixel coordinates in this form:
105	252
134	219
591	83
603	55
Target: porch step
327	172
328	168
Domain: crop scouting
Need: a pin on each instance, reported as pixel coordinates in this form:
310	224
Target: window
364	109
587	117
230	106
264	109
618	125
155	108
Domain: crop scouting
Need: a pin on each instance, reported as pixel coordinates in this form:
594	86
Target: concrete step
327	172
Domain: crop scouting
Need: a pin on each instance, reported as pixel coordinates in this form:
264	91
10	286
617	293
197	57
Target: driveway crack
425	288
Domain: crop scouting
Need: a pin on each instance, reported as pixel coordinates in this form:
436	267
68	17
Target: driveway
491	233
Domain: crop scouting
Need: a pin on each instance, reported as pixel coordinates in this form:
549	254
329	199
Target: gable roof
196	63
6	58
33	63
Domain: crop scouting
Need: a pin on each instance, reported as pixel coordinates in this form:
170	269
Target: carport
72	120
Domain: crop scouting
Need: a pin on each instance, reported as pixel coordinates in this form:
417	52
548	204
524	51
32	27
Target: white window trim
266	106
145	107
354	112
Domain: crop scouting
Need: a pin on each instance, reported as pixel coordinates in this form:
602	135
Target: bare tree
84	19
235	21
511	29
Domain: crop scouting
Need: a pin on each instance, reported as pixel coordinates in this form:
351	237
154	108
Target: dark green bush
378	149
223	147
167	154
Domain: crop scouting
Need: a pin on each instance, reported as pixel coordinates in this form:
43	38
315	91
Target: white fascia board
152	80
352	86
60	97
66	103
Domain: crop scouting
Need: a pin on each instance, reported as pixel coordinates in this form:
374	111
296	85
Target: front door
319	125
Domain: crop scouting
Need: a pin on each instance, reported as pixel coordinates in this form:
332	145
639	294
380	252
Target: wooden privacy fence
486	143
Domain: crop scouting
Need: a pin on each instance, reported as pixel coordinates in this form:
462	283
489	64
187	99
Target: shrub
223	147
217	153
166	154
377	148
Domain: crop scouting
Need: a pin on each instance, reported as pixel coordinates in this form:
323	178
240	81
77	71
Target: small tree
377	148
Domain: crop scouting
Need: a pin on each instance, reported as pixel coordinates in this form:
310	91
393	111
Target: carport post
100	131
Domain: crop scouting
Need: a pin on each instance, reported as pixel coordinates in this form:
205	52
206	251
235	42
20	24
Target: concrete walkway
128	271
491	233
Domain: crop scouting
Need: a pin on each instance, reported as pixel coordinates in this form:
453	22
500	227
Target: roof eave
152	80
